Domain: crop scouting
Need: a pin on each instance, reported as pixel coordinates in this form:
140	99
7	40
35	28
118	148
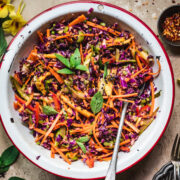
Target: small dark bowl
167	13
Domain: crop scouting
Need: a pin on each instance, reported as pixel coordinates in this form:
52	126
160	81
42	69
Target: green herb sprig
96	102
48	110
80	142
7	158
73	63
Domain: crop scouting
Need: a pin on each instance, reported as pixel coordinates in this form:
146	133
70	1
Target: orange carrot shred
16	77
159	69
82	55
51	128
112	31
78	20
94	133
61	153
48	33
40	34
138	62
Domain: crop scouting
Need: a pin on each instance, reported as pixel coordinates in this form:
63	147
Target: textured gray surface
148	11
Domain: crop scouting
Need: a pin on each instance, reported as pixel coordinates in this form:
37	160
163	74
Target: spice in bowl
171	27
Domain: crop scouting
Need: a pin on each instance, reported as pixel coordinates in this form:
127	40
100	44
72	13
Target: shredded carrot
52	152
82	111
43	132
125	142
26	103
159	69
61	153
51	128
48	33
78	20
40	34
37	112
121	96
31	55
56	101
39	138
138	62
112	31
126	149
94	133
17	105
81	53
104	155
21	101
61	37
29	78
110	107
137	73
55	74
133	127
16	77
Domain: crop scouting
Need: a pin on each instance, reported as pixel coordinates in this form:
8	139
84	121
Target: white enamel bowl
22	44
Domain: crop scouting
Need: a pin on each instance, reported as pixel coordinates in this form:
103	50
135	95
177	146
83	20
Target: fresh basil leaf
81	145
105	70
65	61
1	162
9	156
83	139
4	169
75	58
15	178
65	71
81	67
96	102
48	110
3	43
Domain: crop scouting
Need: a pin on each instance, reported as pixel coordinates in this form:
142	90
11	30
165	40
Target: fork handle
176	171
111	174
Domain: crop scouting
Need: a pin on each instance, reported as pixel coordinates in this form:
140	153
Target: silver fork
175	157
111	173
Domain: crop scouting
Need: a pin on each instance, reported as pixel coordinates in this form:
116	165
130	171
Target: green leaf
83	139
9	156
65	61
105	70
81	67
15	178
65	71
1	163
4	169
48	110
81	145
3	43
75	58
96	102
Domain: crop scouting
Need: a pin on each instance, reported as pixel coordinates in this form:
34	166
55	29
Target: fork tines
175	153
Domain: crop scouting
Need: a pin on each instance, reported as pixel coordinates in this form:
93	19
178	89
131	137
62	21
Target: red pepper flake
171	27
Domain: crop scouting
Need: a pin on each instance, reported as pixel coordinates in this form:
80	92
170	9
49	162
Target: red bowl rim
167	57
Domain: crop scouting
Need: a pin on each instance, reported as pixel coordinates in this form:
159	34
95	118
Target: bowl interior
167	13
22	45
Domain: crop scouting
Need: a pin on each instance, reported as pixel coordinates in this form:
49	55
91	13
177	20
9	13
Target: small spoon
111	174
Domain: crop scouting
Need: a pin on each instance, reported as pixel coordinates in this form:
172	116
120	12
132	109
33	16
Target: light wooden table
145	169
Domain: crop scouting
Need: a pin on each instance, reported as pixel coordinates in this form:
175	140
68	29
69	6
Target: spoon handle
111	174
